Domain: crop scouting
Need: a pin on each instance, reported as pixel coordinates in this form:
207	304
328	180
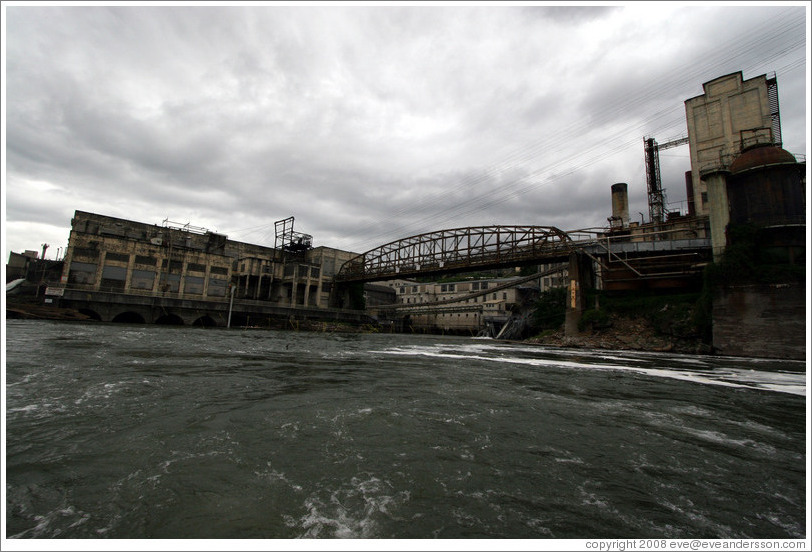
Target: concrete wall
760	321
107	254
716	120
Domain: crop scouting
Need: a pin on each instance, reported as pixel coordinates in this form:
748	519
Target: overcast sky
367	124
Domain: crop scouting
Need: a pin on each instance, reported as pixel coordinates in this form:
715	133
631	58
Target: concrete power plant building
731	116
122	270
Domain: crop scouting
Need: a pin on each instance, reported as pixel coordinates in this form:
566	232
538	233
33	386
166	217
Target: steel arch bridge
457	250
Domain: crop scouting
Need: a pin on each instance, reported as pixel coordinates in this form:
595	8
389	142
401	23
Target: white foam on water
48	525
353	510
273	475
781	381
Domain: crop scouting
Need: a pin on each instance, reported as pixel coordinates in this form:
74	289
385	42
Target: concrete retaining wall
760	321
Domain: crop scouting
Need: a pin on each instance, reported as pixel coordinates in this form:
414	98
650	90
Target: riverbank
624	333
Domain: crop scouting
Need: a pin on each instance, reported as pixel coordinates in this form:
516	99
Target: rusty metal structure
656	193
458	249
290	242
658	255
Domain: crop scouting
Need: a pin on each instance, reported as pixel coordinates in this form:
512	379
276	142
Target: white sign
58	292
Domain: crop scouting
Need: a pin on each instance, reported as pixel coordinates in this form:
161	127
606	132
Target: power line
516	160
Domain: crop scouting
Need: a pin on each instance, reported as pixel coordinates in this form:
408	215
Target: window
171	283
142	279
113	278
196	267
217	288
222	270
146	260
174	266
86	252
82	273
117	257
193	284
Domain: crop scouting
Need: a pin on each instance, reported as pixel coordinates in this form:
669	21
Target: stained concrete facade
760	321
480	302
122	257
732	114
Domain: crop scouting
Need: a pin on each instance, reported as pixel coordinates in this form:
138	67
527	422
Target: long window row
114	278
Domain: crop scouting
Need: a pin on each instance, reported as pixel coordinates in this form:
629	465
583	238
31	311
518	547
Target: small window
117	257
146	260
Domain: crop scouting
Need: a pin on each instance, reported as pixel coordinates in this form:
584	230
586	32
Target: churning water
148	431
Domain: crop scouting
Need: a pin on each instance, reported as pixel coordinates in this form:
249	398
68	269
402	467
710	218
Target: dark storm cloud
367	123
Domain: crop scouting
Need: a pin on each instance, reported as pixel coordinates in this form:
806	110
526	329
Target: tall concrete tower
732	114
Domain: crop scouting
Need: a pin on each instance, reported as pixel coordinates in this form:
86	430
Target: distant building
17	266
108	254
28	265
480	302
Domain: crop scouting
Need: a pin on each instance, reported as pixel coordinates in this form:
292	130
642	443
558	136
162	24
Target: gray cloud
365	123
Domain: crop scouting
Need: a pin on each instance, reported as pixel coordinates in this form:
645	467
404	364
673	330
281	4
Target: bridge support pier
581	279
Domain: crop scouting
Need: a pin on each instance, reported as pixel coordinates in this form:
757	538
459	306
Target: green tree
548	313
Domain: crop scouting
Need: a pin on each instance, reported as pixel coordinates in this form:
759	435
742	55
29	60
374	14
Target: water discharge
124	431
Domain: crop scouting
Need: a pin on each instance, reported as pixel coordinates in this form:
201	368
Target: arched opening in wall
91	313
129	317
170	320
205	321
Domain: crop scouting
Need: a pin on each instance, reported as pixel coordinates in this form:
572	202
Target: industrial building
732	115
123	270
734	137
115	255
481	302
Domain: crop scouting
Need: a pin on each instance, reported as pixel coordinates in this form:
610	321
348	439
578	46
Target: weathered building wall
117	256
760	321
729	107
474	312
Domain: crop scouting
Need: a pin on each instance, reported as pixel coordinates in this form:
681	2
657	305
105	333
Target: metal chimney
620	205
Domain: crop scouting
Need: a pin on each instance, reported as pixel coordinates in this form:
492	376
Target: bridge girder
457	250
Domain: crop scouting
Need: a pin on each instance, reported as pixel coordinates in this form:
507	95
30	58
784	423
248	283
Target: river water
139	431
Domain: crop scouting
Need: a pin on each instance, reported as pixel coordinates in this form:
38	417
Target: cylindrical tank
765	188
620	205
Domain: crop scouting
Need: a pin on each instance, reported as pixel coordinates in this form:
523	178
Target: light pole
230	305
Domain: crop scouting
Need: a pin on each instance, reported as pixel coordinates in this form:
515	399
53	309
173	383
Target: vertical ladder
775	117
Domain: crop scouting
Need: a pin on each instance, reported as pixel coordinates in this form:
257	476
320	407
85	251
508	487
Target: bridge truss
458	249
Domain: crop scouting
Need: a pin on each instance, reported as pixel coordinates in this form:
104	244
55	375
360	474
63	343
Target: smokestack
620	205
689	191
